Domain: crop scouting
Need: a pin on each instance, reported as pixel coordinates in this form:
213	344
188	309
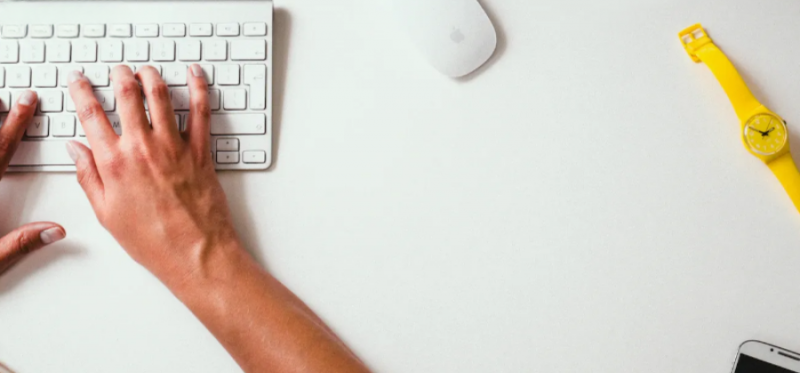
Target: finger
88	176
25	239
130	104
13	127
156	92
199	113
90	113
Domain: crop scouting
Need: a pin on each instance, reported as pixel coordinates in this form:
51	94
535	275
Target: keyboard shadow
282	29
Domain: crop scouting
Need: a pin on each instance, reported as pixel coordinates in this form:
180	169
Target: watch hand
752	128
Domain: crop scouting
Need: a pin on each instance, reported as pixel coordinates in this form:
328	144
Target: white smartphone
760	357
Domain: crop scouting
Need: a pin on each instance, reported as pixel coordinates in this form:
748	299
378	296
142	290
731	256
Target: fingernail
27	98
73	153
73	76
197	71
52	235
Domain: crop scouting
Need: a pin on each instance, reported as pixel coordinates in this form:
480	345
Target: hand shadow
17	193
233	182
280	43
36	262
5	369
499	50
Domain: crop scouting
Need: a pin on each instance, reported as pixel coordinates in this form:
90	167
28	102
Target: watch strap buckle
693	38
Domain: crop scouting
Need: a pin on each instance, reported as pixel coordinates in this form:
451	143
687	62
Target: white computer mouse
456	36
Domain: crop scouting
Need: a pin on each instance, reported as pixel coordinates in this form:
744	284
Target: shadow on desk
18	193
280	39
4	368
499	51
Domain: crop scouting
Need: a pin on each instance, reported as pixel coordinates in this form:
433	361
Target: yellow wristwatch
764	133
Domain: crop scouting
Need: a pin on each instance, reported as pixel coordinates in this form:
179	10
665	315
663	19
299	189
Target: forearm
263	325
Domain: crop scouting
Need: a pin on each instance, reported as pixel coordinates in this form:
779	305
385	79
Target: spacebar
42	153
238	124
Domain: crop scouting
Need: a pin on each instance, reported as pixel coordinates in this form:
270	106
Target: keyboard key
208	71
228	29
215	50
69	103
62	125
238	124
255	29
116	123
227	157
255	76
19	76
227	145
36	153
9	52
41	31
106	98
248	50
254	156
2	77
164	50
84	51
51	101
175	75
58	51
137	50
67	31
5	101
235	99
228	74
180	99
189	50
149	30
97	75
14	31
63	73
174	30
94	31
45	76
120	30
201	29
110	50
39	127
32	51
213	99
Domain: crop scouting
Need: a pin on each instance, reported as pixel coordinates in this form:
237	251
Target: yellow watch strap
702	49
785	169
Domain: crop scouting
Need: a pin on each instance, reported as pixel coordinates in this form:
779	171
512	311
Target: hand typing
35	235
154	189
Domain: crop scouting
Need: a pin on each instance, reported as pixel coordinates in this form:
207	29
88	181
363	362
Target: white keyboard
233	46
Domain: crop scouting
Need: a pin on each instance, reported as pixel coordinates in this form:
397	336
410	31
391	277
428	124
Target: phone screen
749	364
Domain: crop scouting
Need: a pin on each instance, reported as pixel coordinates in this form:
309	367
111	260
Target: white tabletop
584	204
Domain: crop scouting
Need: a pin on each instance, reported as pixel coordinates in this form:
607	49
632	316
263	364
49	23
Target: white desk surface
583	205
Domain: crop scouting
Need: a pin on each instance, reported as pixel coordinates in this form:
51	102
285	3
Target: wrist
208	265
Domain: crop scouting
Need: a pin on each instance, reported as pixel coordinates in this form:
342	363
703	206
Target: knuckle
203	109
128	89
23	242
6	145
114	166
158	91
90	112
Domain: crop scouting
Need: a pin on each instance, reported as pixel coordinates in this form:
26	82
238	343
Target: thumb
88	176
25	239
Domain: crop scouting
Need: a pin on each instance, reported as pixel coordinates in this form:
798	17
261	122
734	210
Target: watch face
765	134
